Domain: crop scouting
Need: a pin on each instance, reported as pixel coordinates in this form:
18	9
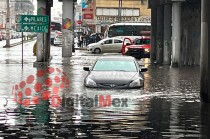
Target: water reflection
205	122
167	107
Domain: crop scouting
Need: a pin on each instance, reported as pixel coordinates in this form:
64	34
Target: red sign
87	10
1	26
79	22
87	16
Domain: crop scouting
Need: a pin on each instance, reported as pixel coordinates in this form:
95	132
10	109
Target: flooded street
53	102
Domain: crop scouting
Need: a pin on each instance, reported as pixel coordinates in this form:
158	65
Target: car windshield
115	65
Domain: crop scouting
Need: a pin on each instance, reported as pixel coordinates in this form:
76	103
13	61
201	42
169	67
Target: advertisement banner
88	16
87	4
87	10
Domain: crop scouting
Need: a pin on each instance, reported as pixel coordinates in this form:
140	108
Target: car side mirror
143	69
127	44
86	68
102	43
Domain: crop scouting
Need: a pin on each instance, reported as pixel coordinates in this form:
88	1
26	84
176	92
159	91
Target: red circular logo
79	22
45	85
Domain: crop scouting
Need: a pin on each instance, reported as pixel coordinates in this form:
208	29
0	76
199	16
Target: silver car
58	40
108	45
115	72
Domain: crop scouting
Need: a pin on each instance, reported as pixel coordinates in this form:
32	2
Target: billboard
88	16
87	4
87	10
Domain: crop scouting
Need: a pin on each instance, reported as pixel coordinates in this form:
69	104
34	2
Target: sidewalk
15	42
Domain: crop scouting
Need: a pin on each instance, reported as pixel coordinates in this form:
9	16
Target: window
144	41
108	42
138	42
117	41
127	30
115	65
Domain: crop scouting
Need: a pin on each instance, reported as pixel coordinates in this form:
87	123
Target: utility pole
8	25
120	11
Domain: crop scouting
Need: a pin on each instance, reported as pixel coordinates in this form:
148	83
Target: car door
107	46
117	45
126	42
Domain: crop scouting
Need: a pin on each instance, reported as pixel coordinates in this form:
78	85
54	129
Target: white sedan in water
108	45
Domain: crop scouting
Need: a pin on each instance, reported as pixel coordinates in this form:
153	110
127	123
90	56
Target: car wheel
97	51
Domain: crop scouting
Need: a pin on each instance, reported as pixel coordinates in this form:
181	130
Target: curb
80	48
18	43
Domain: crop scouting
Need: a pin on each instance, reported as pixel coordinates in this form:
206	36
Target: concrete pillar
167	34
159	36
205	52
153	34
205	122
41	37
67	28
176	33
48	12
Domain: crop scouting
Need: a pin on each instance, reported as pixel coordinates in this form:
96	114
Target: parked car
53	34
138	48
58	40
115	72
108	45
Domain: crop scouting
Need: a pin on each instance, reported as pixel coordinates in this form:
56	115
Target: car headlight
146	50
136	83
90	82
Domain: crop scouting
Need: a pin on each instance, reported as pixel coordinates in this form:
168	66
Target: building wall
144	11
191	32
131	4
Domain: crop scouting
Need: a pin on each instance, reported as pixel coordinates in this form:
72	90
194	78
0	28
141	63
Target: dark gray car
115	72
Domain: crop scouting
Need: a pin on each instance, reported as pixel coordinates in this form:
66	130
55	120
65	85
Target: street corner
46	85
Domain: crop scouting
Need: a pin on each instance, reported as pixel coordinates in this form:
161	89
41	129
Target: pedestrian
87	40
84	39
81	40
98	38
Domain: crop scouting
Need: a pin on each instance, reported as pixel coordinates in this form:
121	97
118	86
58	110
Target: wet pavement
53	103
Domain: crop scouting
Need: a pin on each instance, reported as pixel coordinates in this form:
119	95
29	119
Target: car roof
116	38
111	38
120	57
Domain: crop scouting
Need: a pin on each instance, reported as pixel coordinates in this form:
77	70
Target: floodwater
53	103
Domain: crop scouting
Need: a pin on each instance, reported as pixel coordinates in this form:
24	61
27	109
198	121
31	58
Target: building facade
98	14
107	11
